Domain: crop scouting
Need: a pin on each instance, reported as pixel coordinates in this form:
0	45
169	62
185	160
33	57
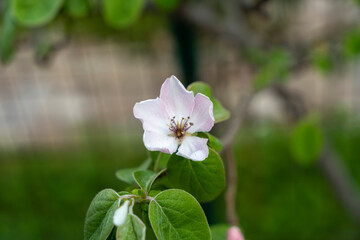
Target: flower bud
234	233
121	214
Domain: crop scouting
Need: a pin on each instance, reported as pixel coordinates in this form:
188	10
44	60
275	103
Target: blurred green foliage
273	66
122	13
34	13
46	193
351	43
306	140
322	60
7	34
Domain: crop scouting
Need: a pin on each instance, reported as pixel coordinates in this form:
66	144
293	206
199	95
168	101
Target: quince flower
170	121
121	214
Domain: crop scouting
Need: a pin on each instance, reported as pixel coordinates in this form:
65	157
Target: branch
335	171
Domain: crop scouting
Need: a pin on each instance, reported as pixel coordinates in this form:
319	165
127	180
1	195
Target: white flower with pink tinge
170	121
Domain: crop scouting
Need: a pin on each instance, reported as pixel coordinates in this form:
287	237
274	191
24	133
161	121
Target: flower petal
155	141
179	101
193	148
152	114
202	116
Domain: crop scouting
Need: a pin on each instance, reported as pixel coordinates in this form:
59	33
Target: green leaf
213	142
220	113
204	179
159	158
167	5
321	60
219	231
133	229
99	218
145	178
306	141
77	8
34	13
8	31
175	214
126	176
122	13
201	87
351	43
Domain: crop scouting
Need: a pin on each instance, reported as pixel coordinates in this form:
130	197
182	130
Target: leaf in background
306	141
175	215
275	69
321	60
8	31
205	180
34	13
99	218
122	13
126	176
213	142
133	229
219	231
351	43
145	178
167	5
77	8
220	113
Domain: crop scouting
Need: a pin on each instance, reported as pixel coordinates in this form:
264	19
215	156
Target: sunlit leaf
175	215
193	176
122	13
34	13
99	218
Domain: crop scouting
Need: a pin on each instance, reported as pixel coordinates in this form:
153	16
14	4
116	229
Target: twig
230	195
237	119
329	163
347	192
227	139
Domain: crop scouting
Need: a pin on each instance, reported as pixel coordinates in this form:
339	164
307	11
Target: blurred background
288	71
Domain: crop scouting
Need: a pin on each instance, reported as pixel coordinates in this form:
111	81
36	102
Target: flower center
178	129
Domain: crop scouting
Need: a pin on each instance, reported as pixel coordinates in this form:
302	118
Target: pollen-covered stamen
179	129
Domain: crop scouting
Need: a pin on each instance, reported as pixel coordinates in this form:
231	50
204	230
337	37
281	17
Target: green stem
157	162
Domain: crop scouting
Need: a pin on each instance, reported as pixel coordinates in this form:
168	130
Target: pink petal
193	148
234	233
179	101
152	114
202	116
155	141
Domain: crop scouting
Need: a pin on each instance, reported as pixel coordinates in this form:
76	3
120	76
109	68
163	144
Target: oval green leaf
34	13
122	13
306	142
99	218
205	180
133	229
145	178
175	215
